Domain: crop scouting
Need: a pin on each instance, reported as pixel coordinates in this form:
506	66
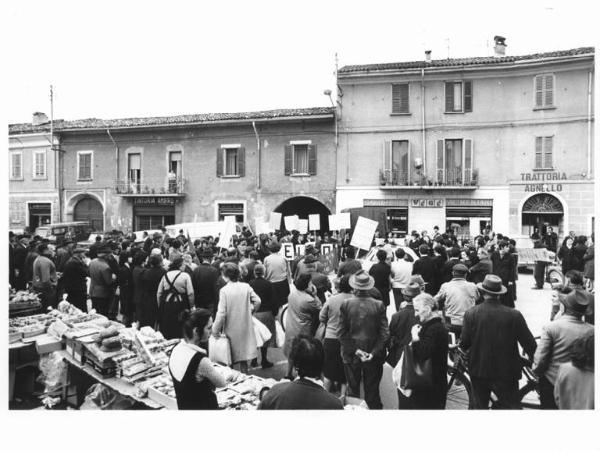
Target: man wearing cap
102	281
63	254
555	343
427	267
204	281
363	333
74	277
456	297
492	332
44	276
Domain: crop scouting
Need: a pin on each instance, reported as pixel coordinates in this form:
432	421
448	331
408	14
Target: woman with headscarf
175	294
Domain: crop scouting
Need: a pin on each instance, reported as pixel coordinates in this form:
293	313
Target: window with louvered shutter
287	159
300	159
84	166
459	96
549	90
16	166
539	157
548	152
39	164
386	164
449	97
468	96
312	159
440	161
400	99
544	90
220	153
241	162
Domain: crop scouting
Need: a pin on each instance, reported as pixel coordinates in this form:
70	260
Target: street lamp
327	92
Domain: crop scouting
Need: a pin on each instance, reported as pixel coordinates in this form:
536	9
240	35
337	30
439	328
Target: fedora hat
411	290
459	268
362	281
577	300
492	284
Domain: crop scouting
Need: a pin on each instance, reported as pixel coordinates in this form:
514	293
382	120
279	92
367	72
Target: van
59	232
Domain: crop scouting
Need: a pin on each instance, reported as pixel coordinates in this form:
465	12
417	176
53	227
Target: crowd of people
194	289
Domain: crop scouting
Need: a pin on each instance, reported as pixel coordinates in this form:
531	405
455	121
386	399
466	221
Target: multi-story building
143	173
33	185
463	143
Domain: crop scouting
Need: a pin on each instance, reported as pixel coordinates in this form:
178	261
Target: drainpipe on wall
258	150
423	122
116	156
589	125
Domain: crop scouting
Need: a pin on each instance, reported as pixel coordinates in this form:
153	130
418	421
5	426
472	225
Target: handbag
219	349
279	335
415	374
261	332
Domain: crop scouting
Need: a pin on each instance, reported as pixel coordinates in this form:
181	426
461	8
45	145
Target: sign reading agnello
153	201
544	177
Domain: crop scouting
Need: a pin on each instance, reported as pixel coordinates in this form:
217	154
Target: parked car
371	258
59	232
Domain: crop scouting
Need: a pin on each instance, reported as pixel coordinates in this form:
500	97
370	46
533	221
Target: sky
117	59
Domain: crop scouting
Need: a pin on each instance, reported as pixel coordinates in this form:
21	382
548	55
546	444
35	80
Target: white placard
263	227
343	220
275	220
303	226
287	251
227	232
291	222
326	249
363	233
314	222
300	249
333	222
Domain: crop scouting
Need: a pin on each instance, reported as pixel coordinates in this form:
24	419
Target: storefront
153	212
39	214
468	218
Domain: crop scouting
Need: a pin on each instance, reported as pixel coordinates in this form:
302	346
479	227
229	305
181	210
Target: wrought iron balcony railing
443	178
144	187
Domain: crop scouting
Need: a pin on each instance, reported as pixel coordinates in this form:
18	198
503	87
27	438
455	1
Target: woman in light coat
302	314
237	303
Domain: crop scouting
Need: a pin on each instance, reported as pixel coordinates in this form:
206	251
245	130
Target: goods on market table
22	300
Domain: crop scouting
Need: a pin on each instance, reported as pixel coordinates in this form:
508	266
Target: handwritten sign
287	251
363	233
343	220
314	222
275	220
227	231
263	228
532	255
300	249
333	222
303	226
291	222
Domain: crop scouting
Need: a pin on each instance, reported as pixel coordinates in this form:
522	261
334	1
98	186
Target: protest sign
326	249
227	231
291	222
314	222
329	258
275	220
303	226
263	228
363	233
300	249
287	251
343	220
333	222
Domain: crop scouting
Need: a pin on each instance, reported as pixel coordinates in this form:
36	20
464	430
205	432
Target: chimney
428	56
499	46
39	118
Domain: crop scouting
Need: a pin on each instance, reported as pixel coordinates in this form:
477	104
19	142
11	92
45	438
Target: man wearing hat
102	280
63	254
555	343
428	267
456	297
492	332
74	277
363	333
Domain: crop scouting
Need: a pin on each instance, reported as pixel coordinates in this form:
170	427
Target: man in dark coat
151	277
504	267
381	272
491	333
579	250
74	277
551	239
350	265
482	268
539	267
454	254
428	268
204	281
20	252
93	252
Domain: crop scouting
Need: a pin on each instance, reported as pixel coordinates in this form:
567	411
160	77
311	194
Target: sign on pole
314	222
287	251
333	222
227	232
343	220
363	233
300	249
275	220
291	222
303	226
263	228
326	249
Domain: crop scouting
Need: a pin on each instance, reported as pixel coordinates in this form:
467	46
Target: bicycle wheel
459	395
555	276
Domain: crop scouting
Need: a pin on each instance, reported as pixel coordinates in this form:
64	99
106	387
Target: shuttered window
236	210
395	167
459	96
400	98
543	152
543	86
84	165
300	159
454	162
16	166
39	165
231	162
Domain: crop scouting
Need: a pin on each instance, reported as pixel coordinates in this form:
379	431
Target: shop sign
154	201
39	207
543	177
427	203
542	187
469	202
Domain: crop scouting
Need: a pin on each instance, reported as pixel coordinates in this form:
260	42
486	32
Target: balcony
153	187
466	179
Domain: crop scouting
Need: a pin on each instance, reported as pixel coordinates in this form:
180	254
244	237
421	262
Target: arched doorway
542	210
89	209
304	206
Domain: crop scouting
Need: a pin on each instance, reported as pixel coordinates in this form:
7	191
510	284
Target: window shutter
548	152
241	162
396	108
468	97
468	161
539	96
549	90
288	159
386	164
219	162
312	159
440	161
400	98
538	153
449	97
409	164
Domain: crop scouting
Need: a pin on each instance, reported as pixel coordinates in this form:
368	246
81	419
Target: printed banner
287	251
532	255
275	220
300	249
314	222
363	233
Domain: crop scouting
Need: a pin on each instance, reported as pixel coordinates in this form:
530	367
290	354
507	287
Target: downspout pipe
589	126
423	122
258	151
116	155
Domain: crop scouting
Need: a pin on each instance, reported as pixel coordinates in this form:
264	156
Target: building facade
33	198
140	174
463	143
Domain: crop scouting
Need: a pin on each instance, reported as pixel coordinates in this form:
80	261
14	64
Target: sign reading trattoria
543	177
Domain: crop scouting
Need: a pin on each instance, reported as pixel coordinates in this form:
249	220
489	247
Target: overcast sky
116	59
